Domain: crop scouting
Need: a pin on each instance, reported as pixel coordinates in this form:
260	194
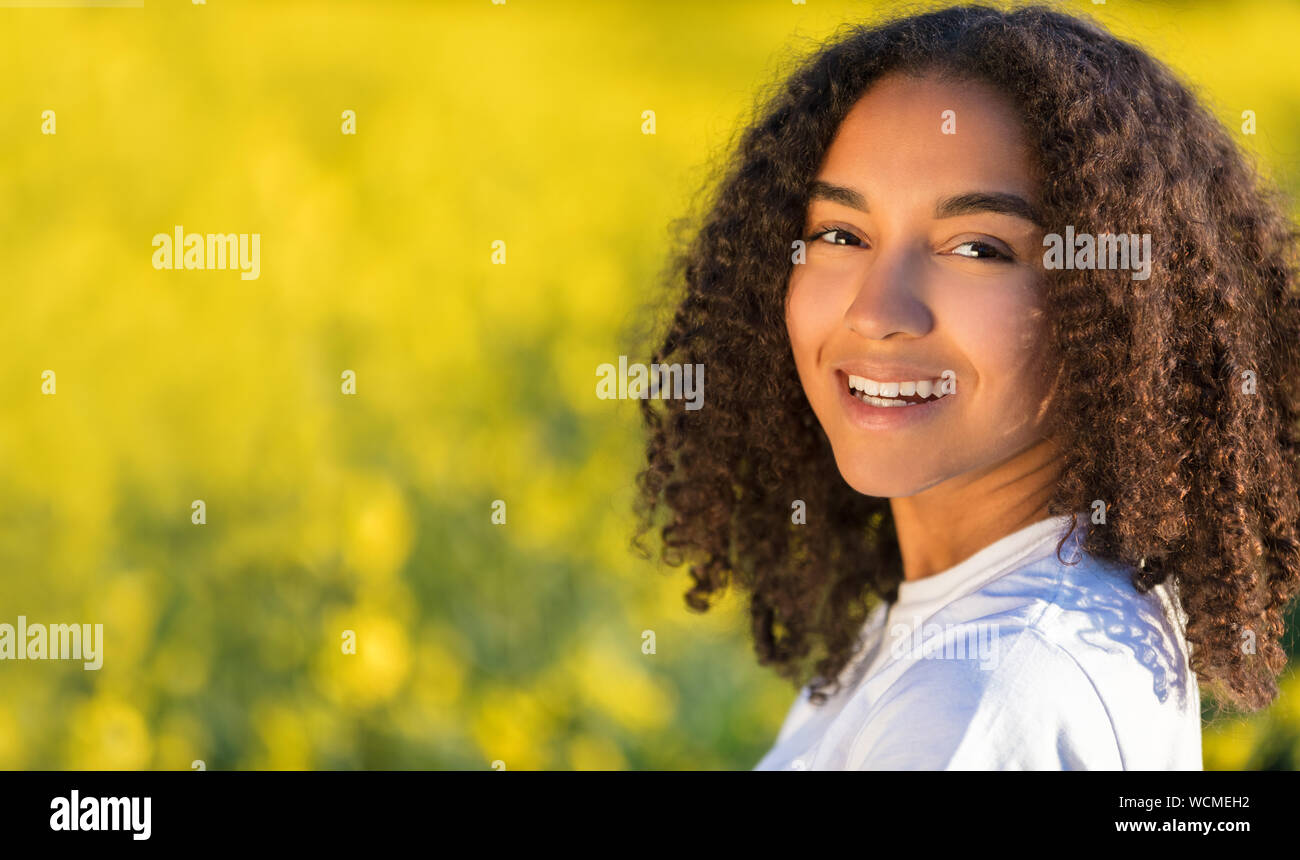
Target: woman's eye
838	237
979	251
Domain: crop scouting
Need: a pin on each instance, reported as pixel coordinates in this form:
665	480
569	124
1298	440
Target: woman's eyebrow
1000	202
837	194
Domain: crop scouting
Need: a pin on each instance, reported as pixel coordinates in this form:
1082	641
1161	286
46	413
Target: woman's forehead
932	133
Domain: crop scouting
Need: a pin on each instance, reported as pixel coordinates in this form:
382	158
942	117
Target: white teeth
879	401
887	393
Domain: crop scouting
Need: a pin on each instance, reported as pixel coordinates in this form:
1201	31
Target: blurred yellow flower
11	740
378	527
107	734
375	664
1285	710
591	752
180	670
1230	745
128	608
620	689
285	742
179	743
514	727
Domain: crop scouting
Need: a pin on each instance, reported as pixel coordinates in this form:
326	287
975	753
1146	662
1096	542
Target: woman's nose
889	298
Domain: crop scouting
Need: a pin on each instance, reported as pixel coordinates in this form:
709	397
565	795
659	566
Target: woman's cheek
999	336
810	320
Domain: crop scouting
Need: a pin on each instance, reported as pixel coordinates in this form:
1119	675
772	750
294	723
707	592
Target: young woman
1001	335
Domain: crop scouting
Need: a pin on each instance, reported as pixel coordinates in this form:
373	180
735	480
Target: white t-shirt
1010	660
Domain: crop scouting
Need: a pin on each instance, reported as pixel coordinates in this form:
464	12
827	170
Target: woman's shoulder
1089	609
1067	662
1127	641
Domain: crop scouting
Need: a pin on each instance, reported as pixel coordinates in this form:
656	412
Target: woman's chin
884	483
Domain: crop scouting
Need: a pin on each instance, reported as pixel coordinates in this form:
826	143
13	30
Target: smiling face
919	291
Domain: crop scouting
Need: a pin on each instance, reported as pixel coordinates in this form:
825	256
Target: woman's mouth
903	393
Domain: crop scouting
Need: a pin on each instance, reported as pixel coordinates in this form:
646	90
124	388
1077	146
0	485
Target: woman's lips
897	410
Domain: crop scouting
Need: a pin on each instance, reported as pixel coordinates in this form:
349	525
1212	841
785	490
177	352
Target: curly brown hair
1198	476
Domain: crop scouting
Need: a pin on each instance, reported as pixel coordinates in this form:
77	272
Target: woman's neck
948	523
